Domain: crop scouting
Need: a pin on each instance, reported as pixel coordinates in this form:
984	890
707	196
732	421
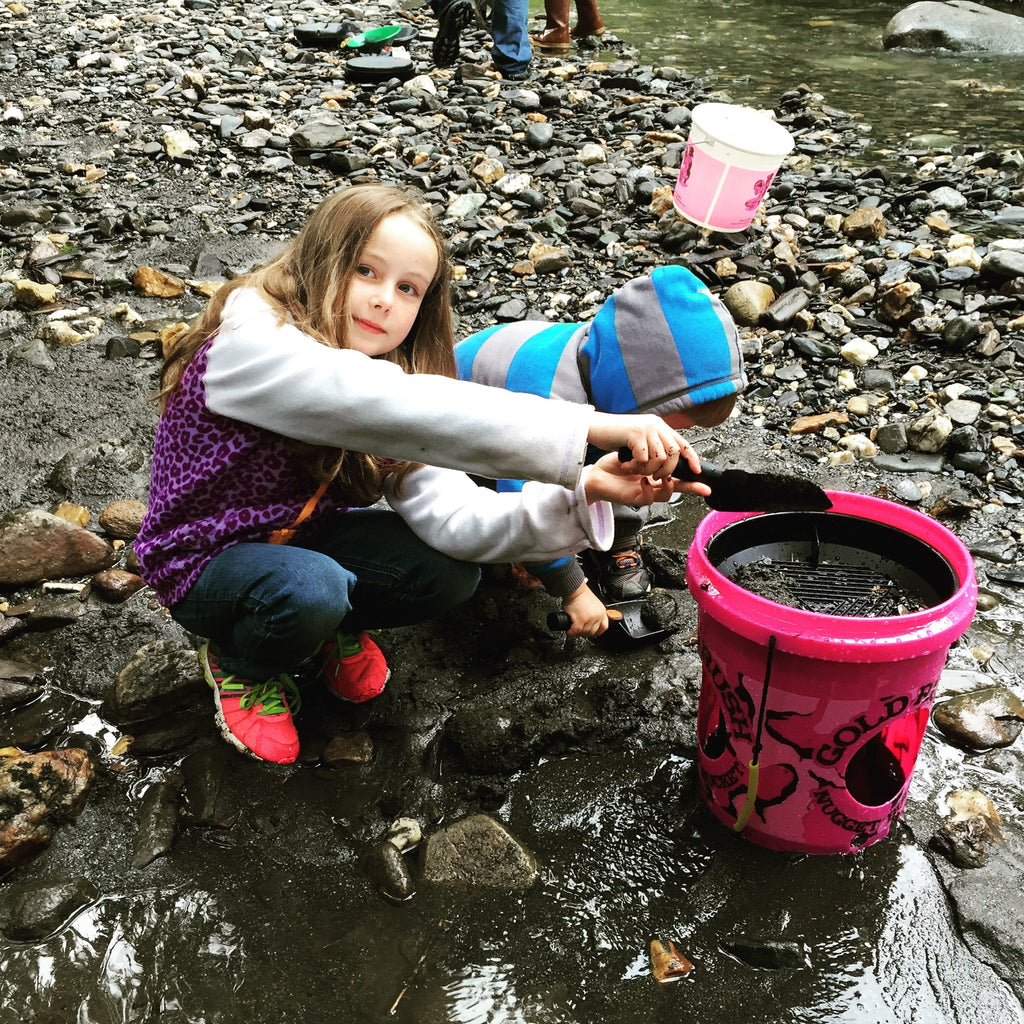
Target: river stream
757	50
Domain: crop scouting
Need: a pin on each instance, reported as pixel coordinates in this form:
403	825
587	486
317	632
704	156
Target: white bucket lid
743	129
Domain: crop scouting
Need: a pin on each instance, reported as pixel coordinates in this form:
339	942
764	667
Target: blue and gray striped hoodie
660	344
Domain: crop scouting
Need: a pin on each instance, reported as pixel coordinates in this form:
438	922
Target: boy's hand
656	447
614	481
589	616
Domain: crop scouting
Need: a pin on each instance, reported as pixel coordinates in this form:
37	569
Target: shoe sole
218	711
447	45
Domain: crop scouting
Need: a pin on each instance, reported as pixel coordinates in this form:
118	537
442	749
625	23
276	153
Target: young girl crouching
307	391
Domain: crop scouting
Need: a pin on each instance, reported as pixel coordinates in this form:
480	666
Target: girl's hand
656	447
589	616
614	481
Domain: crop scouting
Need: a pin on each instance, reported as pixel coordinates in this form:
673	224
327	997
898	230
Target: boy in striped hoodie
662	344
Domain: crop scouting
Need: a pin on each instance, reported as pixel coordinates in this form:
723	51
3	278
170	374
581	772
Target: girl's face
391	277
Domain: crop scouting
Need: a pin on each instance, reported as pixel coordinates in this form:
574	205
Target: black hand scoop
737	490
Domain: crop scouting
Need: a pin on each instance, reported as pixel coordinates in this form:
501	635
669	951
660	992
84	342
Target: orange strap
284	535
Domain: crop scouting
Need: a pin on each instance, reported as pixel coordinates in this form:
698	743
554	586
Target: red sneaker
354	667
255	718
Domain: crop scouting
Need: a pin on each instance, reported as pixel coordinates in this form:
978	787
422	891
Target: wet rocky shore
505	832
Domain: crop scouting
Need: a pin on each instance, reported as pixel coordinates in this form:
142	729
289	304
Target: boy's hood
661	344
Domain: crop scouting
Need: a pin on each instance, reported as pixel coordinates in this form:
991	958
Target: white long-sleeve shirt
225	471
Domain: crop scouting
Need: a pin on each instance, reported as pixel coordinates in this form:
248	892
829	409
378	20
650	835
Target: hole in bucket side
879	769
716	742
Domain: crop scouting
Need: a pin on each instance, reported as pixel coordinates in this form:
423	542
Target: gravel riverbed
147	156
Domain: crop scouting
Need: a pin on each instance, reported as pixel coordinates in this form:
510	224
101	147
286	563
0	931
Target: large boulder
956	25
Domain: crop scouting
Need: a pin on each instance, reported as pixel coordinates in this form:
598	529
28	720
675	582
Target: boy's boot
622	576
555	38
588	21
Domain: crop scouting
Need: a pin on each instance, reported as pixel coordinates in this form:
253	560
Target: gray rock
477	852
957	25
892	438
1003	264
161	676
35	911
946	198
785	307
989	717
909	462
388	871
540	136
157	824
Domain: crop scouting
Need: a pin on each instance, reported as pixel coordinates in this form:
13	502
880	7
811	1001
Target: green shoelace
348	643
271	693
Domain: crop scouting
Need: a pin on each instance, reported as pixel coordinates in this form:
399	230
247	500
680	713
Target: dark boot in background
452	17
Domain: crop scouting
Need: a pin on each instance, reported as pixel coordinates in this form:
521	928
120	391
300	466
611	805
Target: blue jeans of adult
267	608
511	50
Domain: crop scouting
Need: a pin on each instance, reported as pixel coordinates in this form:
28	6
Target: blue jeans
267	608
511	51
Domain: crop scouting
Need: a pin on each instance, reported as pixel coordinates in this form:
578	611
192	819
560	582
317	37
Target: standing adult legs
511	50
588	20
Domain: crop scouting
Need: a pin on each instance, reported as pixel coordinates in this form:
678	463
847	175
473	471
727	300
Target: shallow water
755	51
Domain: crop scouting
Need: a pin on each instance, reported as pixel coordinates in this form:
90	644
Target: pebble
967	836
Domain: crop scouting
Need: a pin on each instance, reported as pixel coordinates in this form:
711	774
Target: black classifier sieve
833	564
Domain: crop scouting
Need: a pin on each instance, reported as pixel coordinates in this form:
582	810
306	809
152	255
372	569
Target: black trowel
739	490
626	621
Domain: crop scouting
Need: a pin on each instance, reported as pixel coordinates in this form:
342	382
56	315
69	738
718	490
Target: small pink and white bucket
731	158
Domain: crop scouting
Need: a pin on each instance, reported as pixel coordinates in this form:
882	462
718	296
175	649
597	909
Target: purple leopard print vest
215	482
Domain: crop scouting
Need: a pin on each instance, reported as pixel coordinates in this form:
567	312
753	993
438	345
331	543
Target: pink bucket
729	163
809	723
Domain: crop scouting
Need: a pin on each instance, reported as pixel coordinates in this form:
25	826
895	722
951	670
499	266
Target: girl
260	535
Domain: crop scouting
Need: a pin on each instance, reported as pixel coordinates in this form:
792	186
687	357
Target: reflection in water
151	949
484	994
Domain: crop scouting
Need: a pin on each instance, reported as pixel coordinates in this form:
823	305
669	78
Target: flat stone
477	852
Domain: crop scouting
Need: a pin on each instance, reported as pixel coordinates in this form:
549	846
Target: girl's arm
542	522
276	377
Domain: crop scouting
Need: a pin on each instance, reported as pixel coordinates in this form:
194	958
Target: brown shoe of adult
588	20
582	31
555	41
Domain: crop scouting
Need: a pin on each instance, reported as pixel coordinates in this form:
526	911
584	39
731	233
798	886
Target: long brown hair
303	284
